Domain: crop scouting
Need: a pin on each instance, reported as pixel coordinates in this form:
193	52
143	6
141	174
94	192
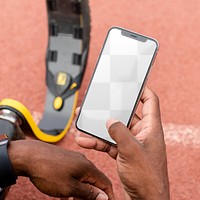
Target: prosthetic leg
69	33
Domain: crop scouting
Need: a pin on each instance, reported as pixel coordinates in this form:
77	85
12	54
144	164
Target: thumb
122	136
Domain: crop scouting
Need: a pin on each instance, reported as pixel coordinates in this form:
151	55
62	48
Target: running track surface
175	77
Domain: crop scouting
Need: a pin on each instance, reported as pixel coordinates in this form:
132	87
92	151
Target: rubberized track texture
175	77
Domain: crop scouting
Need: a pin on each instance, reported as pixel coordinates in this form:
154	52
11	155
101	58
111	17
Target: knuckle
106	148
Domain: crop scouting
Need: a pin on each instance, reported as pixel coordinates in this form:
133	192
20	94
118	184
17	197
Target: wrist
155	189
20	156
158	190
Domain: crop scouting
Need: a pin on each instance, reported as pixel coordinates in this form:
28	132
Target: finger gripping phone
117	82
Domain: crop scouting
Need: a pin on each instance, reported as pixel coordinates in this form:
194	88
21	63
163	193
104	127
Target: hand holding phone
140	152
117	82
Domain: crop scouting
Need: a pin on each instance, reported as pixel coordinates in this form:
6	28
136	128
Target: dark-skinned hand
140	152
58	172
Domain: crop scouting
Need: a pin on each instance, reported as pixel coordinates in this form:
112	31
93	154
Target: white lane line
186	135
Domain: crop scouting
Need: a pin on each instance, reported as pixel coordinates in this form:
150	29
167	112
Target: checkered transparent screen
116	83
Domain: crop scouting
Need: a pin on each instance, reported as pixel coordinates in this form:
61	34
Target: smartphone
117	82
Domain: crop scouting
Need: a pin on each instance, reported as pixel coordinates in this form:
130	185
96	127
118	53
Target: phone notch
133	36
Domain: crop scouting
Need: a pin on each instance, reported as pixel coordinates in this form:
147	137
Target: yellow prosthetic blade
28	123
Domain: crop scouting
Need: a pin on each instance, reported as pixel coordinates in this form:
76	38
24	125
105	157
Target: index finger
96	178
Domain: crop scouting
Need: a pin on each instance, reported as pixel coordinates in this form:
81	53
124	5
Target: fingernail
102	197
110	122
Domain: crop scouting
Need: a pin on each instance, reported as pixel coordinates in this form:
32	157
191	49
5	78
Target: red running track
175	77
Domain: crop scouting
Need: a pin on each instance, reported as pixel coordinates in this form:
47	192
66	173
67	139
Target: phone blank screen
119	75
